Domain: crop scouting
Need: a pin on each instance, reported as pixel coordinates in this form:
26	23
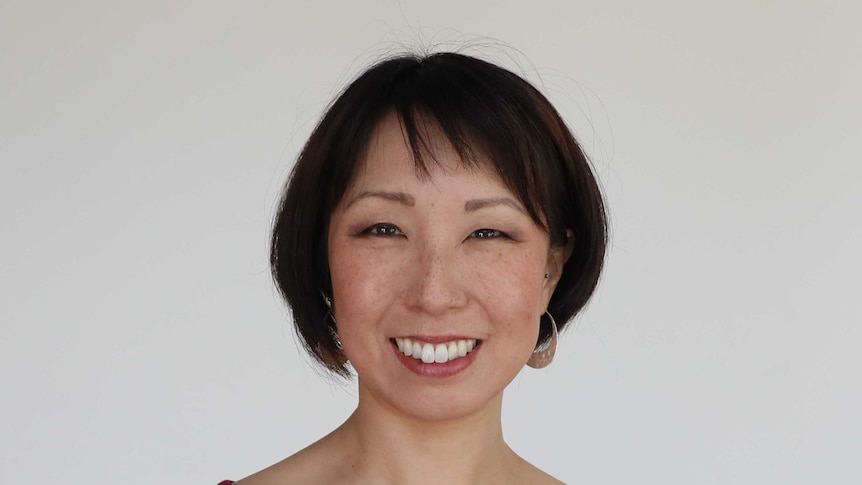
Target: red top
226	482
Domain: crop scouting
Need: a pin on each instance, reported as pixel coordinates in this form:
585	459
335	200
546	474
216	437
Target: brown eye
384	230
486	233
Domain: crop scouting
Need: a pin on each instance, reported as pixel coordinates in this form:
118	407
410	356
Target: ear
557	257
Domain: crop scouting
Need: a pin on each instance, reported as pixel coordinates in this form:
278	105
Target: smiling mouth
435	353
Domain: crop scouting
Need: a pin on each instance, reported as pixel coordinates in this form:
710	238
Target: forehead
389	157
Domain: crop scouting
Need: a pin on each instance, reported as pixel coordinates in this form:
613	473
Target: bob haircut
482	109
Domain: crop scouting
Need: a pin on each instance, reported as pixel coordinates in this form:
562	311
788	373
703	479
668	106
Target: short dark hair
481	108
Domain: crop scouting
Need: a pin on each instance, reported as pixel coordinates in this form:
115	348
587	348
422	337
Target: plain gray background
143	146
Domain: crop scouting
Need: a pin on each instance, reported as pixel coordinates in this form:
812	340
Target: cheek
358	293
511	294
361	281
513	280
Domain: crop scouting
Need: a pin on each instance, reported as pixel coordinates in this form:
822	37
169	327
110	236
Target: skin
450	254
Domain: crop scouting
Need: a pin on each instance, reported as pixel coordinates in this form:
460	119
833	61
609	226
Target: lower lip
445	369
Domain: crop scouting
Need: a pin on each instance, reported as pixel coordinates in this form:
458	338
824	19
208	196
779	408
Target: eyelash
375	230
384	231
495	233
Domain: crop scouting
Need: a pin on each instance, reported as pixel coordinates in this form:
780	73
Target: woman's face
423	269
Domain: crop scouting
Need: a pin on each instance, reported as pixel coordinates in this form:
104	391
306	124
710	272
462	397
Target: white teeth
431	353
428	353
441	354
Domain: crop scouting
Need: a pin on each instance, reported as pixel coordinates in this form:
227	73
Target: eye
487	233
383	229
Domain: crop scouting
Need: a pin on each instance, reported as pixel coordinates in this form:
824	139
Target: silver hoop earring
330	313
544	354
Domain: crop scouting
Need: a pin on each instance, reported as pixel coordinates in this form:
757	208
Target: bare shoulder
312	465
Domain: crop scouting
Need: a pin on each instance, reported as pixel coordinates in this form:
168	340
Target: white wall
143	145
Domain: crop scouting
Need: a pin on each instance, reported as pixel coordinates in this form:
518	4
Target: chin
431	403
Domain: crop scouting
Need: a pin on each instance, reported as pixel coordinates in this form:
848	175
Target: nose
437	284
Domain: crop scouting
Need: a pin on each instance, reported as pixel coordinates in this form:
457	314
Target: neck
388	446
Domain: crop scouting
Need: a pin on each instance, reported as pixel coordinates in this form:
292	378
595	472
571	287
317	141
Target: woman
440	226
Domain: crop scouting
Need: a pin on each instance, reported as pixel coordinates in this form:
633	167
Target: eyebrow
476	204
400	197
406	199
